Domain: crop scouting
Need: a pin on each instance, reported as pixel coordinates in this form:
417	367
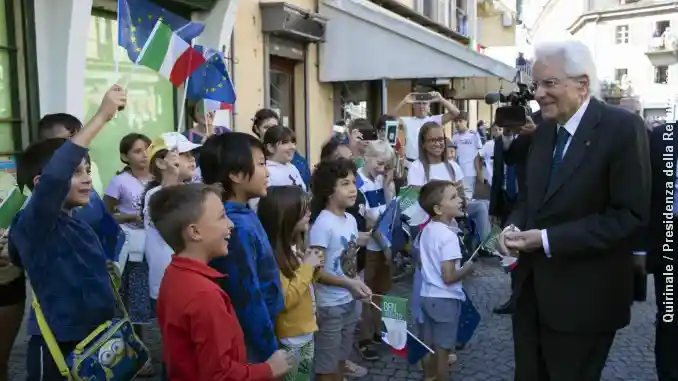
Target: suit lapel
541	155
580	143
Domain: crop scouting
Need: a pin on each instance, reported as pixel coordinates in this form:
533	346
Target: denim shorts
441	321
334	338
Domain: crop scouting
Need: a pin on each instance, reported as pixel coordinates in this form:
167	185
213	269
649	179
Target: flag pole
408	331
183	101
116	58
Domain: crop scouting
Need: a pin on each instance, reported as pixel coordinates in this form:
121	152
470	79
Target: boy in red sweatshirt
201	337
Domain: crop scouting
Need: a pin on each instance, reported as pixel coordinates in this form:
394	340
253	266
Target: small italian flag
209	105
169	55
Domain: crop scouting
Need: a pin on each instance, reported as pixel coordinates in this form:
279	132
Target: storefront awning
364	41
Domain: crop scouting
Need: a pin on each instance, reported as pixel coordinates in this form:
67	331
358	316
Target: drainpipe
307	112
231	65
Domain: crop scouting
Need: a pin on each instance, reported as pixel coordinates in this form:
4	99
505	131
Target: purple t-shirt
128	190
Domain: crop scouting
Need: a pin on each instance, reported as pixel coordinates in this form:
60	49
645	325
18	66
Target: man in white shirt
487	153
468	147
420	115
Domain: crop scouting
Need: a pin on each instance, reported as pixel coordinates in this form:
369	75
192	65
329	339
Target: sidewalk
489	355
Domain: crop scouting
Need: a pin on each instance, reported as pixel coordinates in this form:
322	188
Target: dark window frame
661	75
12	49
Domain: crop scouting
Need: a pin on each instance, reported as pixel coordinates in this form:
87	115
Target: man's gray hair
577	60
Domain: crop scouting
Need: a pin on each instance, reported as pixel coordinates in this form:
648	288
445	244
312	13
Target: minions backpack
112	352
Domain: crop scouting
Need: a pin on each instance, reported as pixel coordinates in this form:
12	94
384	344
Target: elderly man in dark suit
587	192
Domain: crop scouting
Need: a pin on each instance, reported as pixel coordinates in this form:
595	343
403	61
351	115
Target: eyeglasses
436	140
551	83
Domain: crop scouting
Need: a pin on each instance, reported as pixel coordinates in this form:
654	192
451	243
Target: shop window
151	98
10	117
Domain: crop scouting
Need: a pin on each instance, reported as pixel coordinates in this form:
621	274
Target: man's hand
524	241
409	98
529	127
436	96
114	100
503	241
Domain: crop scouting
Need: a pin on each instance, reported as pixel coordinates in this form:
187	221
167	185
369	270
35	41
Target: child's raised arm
51	190
115	99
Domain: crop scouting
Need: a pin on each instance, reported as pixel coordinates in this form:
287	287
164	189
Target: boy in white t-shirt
441	291
338	290
468	146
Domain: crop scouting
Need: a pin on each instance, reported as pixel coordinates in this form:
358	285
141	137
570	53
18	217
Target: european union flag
211	80
136	19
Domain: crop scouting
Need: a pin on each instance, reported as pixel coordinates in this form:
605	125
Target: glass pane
6	138
280	90
5	86
150	105
3	23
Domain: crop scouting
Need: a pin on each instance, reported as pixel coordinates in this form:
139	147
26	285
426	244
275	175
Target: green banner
393	307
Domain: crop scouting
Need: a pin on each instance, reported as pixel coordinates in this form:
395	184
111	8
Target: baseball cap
171	141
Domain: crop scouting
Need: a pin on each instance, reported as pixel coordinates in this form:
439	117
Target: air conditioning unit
293	22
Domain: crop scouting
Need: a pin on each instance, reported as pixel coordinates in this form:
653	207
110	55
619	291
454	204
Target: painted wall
600	38
249	81
491	31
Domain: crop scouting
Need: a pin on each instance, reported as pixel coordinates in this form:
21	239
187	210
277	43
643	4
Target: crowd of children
249	276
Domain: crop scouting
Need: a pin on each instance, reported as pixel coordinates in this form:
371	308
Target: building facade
313	61
633	43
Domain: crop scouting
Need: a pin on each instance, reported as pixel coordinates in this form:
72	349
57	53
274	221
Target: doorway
281	89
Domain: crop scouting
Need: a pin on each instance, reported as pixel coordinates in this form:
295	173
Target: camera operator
420	110
508	177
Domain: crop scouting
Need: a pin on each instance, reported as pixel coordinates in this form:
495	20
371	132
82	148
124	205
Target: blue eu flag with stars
136	19
211	79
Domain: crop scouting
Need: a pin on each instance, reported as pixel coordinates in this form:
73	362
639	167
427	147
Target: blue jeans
479	212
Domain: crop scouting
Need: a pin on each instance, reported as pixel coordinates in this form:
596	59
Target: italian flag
209	105
169	55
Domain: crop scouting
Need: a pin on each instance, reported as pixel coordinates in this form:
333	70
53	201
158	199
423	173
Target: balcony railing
663	50
667	42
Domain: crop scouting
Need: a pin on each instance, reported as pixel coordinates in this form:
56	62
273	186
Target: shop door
281	89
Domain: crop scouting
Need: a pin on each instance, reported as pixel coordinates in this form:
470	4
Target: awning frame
338	64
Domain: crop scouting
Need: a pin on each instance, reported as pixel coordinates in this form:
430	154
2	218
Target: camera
515	114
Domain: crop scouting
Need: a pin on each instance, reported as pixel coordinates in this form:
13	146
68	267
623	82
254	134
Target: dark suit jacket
654	236
599	198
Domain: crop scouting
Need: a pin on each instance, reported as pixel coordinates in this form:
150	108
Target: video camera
514	115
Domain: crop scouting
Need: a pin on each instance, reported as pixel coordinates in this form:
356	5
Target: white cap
171	141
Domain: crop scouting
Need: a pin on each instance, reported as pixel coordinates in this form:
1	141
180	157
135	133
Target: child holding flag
285	215
441	291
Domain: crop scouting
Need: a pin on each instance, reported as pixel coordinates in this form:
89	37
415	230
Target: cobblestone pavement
489	355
